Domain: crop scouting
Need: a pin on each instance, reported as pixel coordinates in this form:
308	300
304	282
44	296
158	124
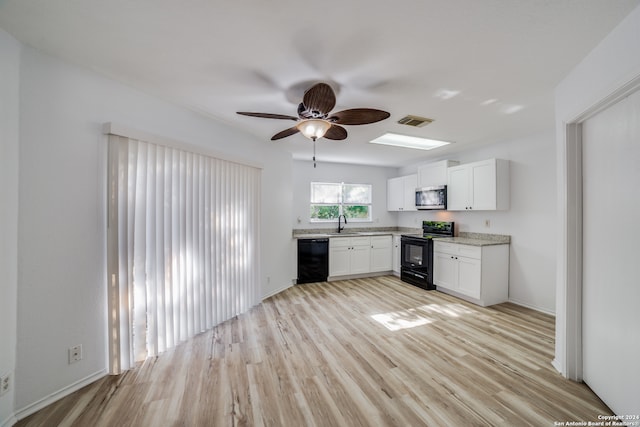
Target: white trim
614	95
57	395
277	291
111	128
532	307
573	273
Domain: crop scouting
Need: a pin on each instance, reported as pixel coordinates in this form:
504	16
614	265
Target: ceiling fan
314	119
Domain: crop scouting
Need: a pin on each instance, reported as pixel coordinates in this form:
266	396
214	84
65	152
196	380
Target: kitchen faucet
340	228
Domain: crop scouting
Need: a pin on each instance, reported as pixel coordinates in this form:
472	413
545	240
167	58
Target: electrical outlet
75	353
5	384
487	223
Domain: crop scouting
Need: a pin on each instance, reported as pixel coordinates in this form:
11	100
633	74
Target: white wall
612	68
304	173
61	290
530	221
9	127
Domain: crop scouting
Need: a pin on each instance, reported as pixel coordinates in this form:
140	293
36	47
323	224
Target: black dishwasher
313	260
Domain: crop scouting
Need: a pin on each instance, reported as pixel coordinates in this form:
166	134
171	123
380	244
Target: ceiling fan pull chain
314	153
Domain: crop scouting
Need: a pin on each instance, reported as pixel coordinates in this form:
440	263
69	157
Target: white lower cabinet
349	255
359	255
381	253
479	274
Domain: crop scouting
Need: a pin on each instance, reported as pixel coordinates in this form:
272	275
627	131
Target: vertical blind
183	246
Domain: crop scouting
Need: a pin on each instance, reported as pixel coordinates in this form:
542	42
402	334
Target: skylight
405	141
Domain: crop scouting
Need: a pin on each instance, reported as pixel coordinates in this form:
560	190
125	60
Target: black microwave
431	198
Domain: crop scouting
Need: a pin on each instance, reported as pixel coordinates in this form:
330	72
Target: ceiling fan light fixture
406	141
313	128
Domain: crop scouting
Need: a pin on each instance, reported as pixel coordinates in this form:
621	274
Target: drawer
448	248
361	241
470	251
457	249
342	242
339	242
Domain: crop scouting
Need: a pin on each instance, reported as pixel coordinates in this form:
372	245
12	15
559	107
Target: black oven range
416	253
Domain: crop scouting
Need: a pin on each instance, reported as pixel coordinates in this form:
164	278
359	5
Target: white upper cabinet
401	193
433	174
480	185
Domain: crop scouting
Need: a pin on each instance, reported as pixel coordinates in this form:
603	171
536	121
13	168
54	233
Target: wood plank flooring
365	352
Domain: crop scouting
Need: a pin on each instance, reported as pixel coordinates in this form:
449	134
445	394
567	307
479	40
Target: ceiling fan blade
285	133
358	116
319	98
336	132
267	115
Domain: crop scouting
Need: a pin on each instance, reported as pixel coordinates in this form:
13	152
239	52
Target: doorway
611	254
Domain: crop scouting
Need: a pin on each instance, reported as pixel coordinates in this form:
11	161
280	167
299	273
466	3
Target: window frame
340	203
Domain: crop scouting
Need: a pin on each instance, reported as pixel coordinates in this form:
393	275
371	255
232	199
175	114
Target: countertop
477	239
352	232
464	238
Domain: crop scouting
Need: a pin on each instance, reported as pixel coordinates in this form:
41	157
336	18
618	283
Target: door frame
568	358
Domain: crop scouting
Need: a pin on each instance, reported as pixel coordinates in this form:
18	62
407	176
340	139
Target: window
183	245
331	199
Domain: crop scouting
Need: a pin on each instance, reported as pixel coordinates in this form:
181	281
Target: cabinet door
458	194
469	276
445	270
396	254
433	174
410	182
381	253
360	259
395	194
339	260
483	178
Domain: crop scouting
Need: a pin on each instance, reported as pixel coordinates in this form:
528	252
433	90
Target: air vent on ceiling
415	121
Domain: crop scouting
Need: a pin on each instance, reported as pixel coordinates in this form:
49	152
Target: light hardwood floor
365	352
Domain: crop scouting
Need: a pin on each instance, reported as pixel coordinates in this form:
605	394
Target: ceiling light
313	128
415	142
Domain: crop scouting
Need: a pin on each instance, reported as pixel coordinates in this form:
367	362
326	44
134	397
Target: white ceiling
485	70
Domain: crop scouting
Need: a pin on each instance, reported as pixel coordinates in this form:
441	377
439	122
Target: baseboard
556	364
9	421
532	307
359	276
57	395
277	291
